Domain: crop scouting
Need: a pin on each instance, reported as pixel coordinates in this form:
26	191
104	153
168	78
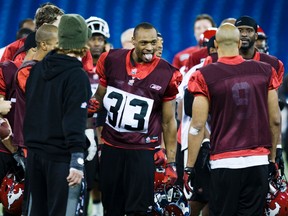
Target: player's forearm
170	139
275	132
195	137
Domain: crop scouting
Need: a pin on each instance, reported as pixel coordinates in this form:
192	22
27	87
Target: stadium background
173	18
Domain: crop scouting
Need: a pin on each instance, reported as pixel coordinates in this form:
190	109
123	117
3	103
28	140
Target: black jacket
57	94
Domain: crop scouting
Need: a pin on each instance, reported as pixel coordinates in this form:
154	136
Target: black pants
238	192
48	186
126	180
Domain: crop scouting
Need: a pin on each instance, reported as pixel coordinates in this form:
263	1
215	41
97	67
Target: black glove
279	160
272	171
189	178
19	157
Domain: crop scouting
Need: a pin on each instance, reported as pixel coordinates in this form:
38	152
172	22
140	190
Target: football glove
160	157
92	148
188	178
272	171
93	106
279	160
20	158
170	175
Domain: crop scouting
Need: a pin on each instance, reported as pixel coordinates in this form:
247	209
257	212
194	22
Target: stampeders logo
13	196
274	211
156	87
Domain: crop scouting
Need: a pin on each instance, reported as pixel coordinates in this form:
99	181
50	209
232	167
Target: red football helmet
159	177
206	35
261	33
277	198
11	193
170	200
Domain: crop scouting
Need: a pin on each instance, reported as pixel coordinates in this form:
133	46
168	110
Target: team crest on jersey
156	87
151	139
131	82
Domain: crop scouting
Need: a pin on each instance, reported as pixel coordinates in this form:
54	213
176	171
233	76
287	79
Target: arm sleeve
100	69
87	62
281	71
172	90
197	85
22	77
274	81
77	95
2	84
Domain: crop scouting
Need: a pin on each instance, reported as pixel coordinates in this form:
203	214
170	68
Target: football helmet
261	33
159	177
98	25
206	35
277	198
11	193
170	201
262	42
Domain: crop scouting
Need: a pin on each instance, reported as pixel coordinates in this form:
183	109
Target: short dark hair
21	23
144	25
205	16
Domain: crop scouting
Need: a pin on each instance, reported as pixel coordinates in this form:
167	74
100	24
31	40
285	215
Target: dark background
173	18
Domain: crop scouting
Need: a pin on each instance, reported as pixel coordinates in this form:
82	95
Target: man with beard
248	36
100	34
140	102
239	98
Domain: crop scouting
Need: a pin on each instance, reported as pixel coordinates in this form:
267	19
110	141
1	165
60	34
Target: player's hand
170	176
75	177
272	171
160	157
93	106
20	158
76	172
92	148
188	178
279	160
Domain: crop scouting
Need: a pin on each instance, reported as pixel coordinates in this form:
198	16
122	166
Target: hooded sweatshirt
57	94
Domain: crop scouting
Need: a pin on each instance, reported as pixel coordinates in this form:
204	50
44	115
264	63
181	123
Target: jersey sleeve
100	69
2	84
11	49
172	90
197	85
280	72
274	81
87	62
22	76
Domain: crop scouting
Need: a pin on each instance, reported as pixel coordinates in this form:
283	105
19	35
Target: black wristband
189	170
171	164
77	161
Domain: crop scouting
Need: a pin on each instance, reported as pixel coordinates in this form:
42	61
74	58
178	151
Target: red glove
93	106
160	157
188	178
170	176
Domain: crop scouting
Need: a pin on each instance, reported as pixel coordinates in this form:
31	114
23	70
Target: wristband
77	161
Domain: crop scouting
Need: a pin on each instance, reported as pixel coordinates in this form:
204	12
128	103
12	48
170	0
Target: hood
55	64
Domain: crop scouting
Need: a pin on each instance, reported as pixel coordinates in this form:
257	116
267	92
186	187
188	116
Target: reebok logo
156	87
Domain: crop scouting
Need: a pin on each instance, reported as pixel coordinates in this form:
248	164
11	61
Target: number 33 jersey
134	97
